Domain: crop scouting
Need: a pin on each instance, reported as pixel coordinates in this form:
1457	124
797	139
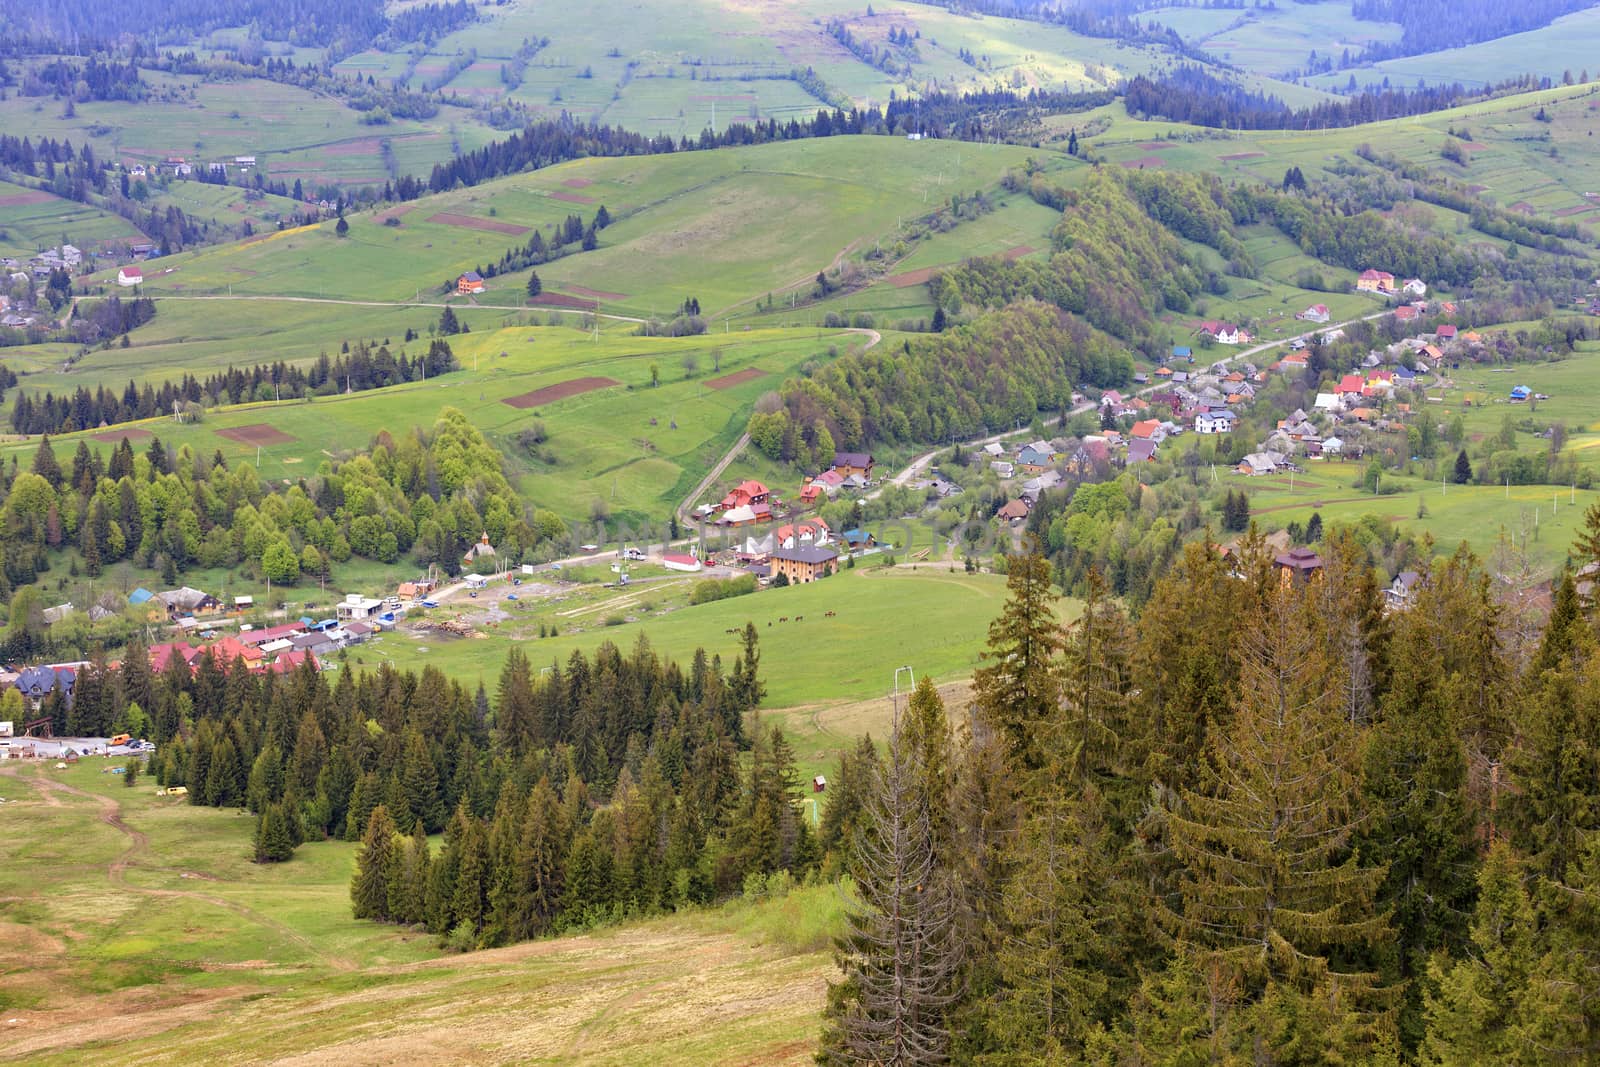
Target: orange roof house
1146	429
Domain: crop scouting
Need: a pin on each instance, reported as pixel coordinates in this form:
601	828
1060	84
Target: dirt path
873	338
116	873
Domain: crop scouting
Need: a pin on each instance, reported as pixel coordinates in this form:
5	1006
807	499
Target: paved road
920	463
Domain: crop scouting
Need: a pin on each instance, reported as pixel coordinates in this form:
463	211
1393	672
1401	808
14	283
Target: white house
1333	446
1415	287
1314	313
1214	421
128	277
357	608
1327	402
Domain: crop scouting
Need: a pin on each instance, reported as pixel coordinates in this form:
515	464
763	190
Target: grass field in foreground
851	656
152	939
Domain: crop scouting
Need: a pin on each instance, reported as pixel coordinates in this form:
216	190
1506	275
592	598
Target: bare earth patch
132	433
595	294
393	212
33	196
738	377
571	198
559	391
1236	156
577	183
468	222
1144	161
1154	146
920	277
561	300
258	433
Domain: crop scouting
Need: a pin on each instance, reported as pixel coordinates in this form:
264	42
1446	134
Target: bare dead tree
901	953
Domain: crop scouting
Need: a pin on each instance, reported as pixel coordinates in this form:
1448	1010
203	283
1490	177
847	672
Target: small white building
357	608
128	277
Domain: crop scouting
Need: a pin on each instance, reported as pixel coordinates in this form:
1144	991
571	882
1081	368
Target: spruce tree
273	842
1019	685
1463	470
1470	1004
535	286
1553	804
900	954
1420	827
369	889
1270	886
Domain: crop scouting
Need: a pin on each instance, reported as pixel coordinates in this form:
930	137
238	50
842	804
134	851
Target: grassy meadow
635	448
31	220
137	931
740	223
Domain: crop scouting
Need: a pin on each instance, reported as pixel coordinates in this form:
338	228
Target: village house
1219	421
187	602
858	540
1446	332
470	283
1403	590
1142	451
1013	511
37	683
853	463
1298	566
1148	430
1414	287
804	564
1375	281
796	535
128	277
1314	313
1224	333
1258	463
1405	313
745	493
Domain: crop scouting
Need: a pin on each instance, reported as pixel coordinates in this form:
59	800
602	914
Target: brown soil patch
1475	146
738	377
1155	146
595	294
560	391
571	198
132	433
365	146
1523	206
1236	156
577	183
32	196
467	222
921	276
393	212
1143	162
1577	209
561	300
258	433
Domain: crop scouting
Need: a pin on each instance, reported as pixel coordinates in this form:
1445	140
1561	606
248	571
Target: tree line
354	370
1003	367
1190	93
1268	821
428	494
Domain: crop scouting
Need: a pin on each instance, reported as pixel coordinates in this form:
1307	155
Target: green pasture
162	943
1574	400
1566	45
724	226
634	448
1545	518
851	656
45	221
288	129
1276	40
